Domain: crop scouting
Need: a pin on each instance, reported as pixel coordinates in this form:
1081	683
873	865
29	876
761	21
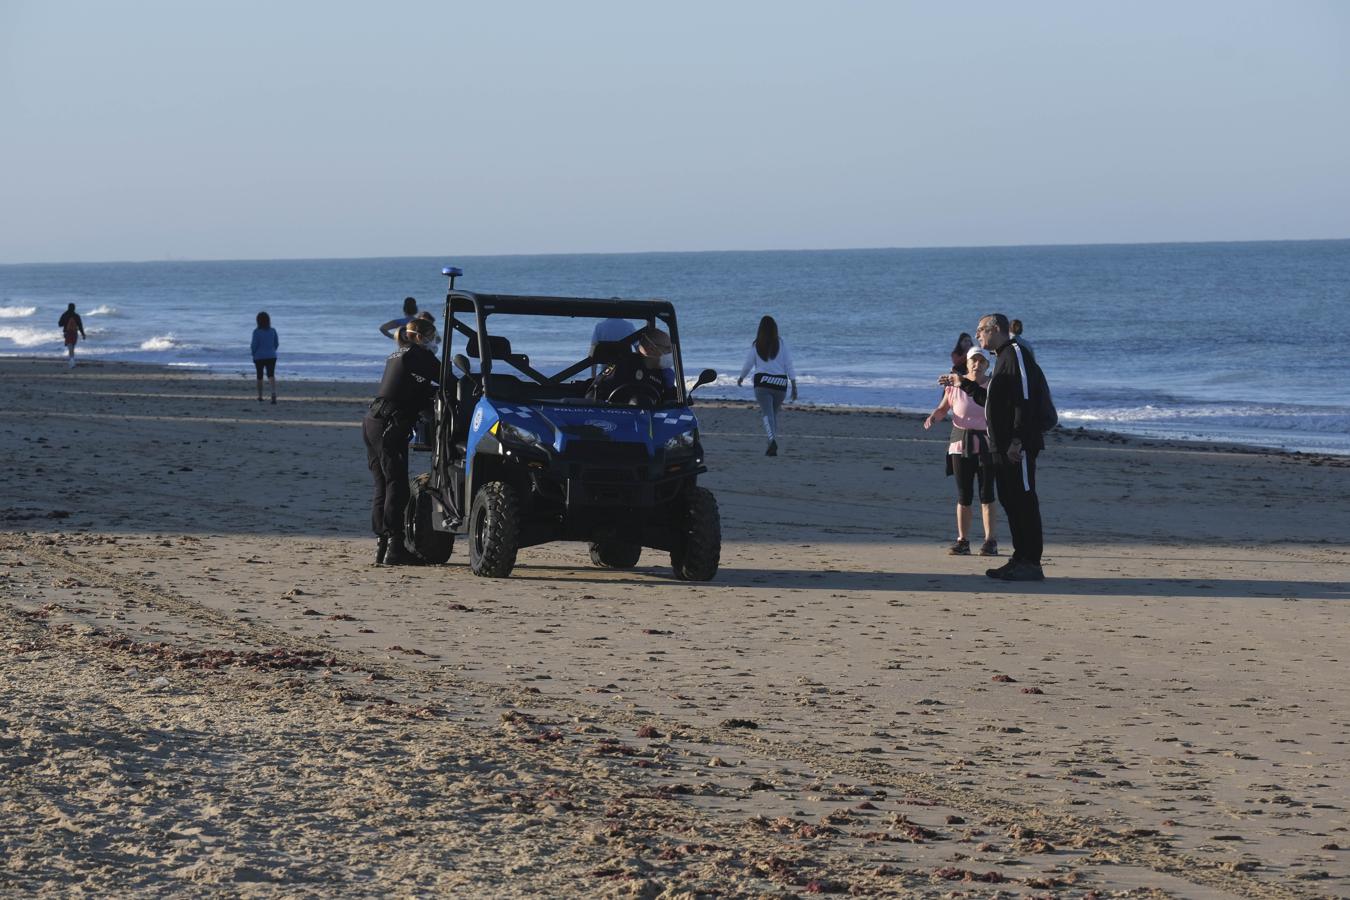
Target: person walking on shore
72	329
772	364
1016	329
969	456
1012	401
411	375
264	348
391	328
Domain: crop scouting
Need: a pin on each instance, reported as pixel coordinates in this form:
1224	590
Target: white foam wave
16	312
1217	418
103	310
30	337
161	342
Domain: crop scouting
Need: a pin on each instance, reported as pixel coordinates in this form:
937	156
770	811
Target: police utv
520	457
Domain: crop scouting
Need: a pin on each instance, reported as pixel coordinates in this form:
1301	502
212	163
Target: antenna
452	273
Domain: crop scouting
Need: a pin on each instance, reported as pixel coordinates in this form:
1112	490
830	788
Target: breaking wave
30	337
162	342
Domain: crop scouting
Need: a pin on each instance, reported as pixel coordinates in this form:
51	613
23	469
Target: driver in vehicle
640	377
654	348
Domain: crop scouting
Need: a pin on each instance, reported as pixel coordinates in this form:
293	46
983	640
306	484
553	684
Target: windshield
587	359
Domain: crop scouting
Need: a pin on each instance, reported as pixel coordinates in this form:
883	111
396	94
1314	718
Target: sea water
1223	341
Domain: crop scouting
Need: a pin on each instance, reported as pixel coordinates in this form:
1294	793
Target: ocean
1222	341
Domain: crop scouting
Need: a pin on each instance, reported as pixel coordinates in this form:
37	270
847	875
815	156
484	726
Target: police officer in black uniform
638	376
410	380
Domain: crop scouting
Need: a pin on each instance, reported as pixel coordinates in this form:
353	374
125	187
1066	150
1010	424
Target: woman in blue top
265	345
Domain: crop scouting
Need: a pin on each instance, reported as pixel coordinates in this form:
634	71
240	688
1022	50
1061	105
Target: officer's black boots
381	548
397	554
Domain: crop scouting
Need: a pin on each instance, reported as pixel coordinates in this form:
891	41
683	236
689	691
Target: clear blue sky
201	129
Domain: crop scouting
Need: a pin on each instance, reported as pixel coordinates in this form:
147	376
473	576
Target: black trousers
387	457
1017	494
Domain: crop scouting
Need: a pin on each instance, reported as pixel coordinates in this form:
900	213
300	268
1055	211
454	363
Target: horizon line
170	259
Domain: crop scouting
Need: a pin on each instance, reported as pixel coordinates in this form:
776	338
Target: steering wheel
643	394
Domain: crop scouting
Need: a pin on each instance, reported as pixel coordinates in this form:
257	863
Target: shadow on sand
946	583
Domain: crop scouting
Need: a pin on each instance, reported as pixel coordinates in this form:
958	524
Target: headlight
516	434
684	441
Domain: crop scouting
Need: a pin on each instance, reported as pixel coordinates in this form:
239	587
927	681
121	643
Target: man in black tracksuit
1010	407
410	380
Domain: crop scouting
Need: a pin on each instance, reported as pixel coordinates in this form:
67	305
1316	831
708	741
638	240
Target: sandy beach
206	686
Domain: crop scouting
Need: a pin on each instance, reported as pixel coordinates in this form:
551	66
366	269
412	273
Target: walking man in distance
1011	408
72	329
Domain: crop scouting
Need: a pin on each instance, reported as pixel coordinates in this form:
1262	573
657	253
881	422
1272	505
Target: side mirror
707	376
461	363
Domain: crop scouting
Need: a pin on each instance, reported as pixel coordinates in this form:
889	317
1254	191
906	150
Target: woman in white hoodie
772	364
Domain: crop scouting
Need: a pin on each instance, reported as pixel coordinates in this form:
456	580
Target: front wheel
615	554
419	535
699	543
494	530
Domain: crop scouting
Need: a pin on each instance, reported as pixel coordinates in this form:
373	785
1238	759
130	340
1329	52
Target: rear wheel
615	554
419	535
698	549
494	530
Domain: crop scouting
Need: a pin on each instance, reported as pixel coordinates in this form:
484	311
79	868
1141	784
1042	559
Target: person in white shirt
772	364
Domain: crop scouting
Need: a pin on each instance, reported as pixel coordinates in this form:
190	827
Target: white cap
976	351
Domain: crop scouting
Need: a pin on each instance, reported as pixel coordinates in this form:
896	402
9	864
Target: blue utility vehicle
599	446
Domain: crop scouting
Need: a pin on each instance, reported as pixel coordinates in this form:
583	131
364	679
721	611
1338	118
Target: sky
147	130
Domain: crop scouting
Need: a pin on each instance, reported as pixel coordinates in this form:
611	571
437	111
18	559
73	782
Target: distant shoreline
870	327
1060	435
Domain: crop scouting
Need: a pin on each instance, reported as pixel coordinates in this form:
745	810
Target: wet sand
208	688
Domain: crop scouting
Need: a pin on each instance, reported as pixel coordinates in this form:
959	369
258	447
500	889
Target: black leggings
966	468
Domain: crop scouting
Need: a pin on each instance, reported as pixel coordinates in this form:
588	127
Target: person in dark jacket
1014	431
72	329
411	376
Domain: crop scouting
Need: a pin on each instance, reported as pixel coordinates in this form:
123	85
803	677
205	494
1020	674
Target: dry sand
206	687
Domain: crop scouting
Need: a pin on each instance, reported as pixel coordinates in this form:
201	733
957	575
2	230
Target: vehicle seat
467	393
617	361
498	347
609	352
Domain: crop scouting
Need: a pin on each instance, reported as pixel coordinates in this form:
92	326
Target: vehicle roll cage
482	306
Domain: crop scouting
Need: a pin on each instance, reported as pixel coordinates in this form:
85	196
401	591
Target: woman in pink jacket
968	456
